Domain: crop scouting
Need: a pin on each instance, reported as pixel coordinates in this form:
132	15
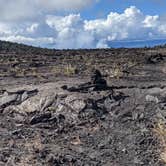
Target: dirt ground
42	124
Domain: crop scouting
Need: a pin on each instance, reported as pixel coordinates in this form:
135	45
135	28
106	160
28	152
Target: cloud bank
15	10
72	31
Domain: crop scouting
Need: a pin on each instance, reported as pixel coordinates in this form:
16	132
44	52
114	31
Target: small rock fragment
75	103
150	98
24	96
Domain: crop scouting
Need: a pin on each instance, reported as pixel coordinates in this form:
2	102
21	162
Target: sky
63	24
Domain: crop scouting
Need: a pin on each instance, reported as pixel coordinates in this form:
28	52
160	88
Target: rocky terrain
82	107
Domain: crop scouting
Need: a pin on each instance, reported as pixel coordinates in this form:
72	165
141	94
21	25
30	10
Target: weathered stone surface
75	102
24	96
97	127
47	101
150	98
9	99
6	100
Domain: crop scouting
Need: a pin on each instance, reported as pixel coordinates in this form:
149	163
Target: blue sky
82	23
104	7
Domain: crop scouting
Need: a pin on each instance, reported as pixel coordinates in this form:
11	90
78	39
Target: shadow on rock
97	83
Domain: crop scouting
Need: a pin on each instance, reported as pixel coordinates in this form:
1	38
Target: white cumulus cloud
72	31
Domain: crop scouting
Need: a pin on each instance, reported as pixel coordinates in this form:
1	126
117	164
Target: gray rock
14	100
47	101
150	98
24	96
6	100
75	103
70	115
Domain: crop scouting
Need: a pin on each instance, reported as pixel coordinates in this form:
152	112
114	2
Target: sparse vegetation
116	71
70	70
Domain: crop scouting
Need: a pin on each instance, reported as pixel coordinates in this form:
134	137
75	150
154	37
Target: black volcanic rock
120	123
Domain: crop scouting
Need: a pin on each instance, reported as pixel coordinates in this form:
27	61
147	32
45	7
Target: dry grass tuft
69	70
116	71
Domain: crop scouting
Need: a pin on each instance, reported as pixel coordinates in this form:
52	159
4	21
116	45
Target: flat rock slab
7	99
